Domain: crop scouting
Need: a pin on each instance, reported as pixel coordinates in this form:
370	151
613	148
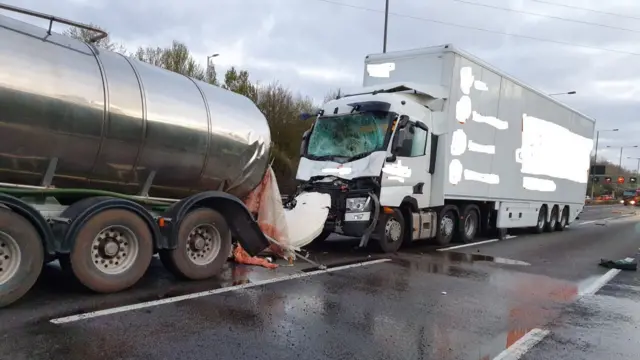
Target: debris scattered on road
629	264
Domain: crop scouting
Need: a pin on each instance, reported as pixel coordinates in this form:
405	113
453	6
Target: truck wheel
553	221
469	225
21	257
204	243
564	219
112	251
446	226
390	231
542	220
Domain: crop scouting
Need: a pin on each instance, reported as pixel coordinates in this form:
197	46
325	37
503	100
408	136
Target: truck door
406	171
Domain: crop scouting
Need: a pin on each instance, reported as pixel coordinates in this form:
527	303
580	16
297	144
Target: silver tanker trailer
106	160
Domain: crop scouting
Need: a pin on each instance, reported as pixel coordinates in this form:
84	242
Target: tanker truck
439	144
106	160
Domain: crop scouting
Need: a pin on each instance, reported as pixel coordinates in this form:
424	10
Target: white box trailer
466	146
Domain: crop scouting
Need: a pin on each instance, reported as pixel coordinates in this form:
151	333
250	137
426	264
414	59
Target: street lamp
621	149
386	22
564	93
636	158
595	160
209	60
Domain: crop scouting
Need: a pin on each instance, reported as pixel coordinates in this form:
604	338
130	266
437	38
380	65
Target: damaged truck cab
374	153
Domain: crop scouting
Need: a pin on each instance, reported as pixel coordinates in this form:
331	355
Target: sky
313	46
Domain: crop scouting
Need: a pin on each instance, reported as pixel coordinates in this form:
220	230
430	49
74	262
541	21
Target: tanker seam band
206	106
143	98
107	103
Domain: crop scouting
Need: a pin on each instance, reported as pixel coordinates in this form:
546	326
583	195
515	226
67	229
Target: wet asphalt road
467	303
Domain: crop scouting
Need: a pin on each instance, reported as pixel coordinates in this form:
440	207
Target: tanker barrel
101	33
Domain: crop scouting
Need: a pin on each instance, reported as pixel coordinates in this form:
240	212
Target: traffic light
633	180
620	179
607	179
596	179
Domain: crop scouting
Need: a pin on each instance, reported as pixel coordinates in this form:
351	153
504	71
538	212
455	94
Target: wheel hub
446	226
393	230
114	249
469	226
203	244
111	248
198	243
10	257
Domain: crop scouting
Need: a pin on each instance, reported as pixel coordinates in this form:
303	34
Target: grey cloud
315	34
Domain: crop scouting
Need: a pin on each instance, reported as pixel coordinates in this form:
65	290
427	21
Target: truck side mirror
420	125
305	142
397	143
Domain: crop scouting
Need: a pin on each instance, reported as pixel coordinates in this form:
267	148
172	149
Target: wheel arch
242	224
80	212
34	217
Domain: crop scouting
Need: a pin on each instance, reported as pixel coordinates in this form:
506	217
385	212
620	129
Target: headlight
632	202
358	204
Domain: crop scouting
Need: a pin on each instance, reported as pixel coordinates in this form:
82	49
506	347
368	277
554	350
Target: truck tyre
389	232
564	219
469	224
542	220
204	243
446	225
553	220
112	251
21	257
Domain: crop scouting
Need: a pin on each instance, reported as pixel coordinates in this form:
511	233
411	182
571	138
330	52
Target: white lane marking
622	216
475	243
524	344
599	283
533	337
585	222
94	314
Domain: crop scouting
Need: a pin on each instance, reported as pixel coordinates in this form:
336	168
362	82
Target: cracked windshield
403	179
348	135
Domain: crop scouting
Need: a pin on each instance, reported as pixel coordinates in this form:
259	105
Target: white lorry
441	145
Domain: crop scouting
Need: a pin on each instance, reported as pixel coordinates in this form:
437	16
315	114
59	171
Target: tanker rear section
106	160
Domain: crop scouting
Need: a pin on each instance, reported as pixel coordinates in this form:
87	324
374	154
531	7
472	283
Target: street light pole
209	60
564	93
621	150
386	23
638	168
595	160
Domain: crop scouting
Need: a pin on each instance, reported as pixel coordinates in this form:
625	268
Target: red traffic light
620	179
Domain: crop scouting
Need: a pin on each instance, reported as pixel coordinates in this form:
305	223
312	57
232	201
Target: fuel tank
101	120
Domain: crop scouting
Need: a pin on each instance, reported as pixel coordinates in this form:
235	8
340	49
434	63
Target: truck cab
372	152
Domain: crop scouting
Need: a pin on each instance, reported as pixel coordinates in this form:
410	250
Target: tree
176	58
333	94
238	82
150	55
282	110
86	35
